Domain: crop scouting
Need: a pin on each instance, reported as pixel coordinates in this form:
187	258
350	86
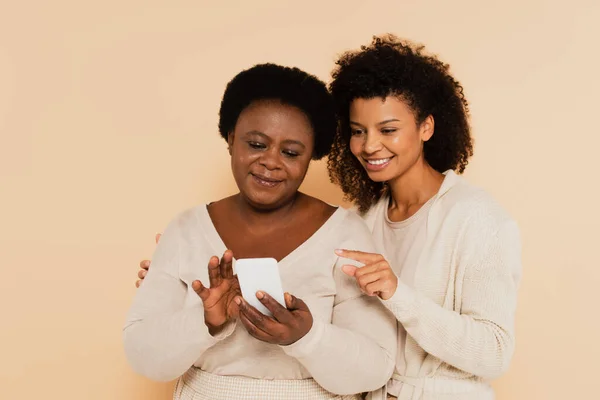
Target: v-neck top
350	348
213	237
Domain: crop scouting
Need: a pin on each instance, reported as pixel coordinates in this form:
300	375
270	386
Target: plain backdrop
108	128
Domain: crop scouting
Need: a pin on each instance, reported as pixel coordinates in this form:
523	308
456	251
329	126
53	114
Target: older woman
330	341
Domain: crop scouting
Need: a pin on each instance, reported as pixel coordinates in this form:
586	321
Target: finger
253	330
349	270
364	280
369	269
225	266
200	290
258	319
280	313
360	256
157	237
380	285
214	275
383	279
138	283
142	273
145	264
293	303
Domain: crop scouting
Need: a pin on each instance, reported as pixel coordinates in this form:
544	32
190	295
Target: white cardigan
459	312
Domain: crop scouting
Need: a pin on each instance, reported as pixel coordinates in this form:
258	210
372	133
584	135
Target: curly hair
291	86
393	67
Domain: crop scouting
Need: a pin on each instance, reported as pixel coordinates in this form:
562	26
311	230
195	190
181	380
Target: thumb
157	237
200	290
349	270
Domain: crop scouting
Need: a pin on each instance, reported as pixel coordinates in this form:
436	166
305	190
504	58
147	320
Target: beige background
108	116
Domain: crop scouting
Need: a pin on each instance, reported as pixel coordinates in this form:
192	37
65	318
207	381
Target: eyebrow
266	137
379	123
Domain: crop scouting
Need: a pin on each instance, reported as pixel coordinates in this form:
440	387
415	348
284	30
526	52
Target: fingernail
260	295
339	252
238	301
147	263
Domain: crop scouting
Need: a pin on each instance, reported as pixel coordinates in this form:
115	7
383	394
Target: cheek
241	157
356	144
298	170
403	144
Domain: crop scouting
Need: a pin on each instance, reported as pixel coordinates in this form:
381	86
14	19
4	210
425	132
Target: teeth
378	162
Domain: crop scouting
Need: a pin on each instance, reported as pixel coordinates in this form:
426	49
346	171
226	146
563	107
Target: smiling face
271	148
386	138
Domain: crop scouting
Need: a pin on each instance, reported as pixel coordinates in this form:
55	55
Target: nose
372	143
270	158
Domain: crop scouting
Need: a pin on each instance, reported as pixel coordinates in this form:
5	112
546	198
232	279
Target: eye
290	153
356	131
388	131
257	145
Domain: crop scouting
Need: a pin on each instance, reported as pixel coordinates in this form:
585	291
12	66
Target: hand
287	325
144	265
219	307
375	278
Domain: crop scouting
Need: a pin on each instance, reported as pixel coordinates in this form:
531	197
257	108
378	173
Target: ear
230	137
427	127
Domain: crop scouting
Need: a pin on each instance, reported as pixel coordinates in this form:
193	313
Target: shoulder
350	231
474	221
370	216
186	221
314	203
468	204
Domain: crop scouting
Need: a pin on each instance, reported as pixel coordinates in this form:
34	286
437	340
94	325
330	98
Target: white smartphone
262	274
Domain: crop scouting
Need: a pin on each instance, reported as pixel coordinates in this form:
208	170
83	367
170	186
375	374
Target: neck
416	186
258	216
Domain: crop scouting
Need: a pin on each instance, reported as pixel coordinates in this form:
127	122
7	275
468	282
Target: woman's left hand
286	326
375	278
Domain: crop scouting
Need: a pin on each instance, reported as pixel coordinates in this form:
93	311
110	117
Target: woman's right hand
218	299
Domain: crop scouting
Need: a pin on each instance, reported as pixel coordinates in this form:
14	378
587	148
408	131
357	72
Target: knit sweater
458	307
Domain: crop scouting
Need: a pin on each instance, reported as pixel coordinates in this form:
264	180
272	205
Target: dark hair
393	67
291	86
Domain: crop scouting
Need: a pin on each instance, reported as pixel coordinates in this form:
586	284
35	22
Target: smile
266	182
377	164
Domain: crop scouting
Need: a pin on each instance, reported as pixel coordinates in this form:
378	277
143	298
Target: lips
266	181
377	164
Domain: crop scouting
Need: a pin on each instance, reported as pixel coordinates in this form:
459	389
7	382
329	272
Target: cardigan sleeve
162	337
478	338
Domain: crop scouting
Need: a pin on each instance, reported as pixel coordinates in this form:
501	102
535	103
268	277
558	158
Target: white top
459	264
350	348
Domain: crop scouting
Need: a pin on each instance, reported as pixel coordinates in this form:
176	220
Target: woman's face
386	138
271	147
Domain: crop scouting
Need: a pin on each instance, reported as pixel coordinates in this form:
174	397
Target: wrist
306	330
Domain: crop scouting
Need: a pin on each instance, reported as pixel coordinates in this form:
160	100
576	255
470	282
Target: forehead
379	108
275	119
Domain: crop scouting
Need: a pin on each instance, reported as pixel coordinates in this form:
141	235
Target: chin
380	176
265	201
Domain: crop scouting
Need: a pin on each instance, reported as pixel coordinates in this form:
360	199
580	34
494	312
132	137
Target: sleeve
357	351
480	338
163	337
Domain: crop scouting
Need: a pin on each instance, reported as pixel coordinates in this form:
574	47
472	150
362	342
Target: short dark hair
291	86
393	67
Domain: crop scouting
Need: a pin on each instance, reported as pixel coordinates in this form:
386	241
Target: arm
480	338
357	351
163	338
